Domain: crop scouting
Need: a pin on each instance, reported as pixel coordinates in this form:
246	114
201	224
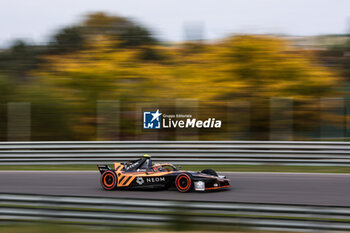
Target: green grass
61	228
53	227
220	168
185	214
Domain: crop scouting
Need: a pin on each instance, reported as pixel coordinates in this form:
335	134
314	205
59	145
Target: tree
255	68
124	31
67	40
248	68
102	72
20	59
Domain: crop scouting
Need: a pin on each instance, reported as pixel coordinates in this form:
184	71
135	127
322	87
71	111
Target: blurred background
84	71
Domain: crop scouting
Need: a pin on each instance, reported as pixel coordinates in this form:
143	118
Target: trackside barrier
179	152
154	213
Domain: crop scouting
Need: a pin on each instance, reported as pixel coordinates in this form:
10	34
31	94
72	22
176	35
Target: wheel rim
183	182
108	180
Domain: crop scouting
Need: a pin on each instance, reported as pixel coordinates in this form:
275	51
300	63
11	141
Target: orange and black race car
142	173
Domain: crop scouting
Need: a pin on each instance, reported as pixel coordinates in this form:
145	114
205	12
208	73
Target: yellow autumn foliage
243	67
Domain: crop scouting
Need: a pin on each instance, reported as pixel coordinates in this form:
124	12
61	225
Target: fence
185	214
181	152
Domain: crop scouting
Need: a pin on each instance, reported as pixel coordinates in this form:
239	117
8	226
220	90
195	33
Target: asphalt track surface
321	189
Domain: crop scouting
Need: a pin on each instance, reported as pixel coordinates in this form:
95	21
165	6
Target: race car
142	173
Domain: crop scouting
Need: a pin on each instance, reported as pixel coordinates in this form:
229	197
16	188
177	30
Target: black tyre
183	182
210	172
109	180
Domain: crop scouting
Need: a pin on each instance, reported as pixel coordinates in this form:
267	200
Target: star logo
151	120
156	115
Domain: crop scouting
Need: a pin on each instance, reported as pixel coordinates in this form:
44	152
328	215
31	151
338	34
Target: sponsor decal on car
155	179
140	180
149	180
132	166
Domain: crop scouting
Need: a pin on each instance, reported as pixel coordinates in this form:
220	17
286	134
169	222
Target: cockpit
167	167
145	165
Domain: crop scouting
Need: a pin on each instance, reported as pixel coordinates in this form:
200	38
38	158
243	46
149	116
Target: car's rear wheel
183	182
210	172
109	180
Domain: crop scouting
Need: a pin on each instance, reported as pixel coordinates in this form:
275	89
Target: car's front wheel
109	180
183	182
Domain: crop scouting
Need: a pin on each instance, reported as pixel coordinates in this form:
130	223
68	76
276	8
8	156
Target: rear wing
103	168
